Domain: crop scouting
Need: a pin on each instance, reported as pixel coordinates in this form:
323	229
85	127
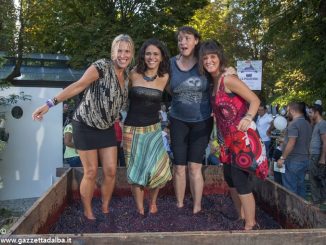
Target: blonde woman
106	91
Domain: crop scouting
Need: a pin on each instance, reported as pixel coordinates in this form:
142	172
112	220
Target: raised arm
90	75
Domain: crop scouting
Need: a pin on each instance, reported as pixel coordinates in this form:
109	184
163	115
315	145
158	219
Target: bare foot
196	210
105	208
180	205
89	217
249	227
141	211
153	209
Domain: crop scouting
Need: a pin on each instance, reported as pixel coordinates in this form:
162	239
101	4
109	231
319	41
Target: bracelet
247	118
282	158
49	103
55	101
249	115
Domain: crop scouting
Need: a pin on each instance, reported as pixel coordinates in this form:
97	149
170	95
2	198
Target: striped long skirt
148	163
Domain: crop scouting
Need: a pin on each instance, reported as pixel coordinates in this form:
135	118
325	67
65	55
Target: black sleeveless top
144	106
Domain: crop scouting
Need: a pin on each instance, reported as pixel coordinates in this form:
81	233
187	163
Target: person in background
65	121
106	93
164	116
167	141
65	113
148	164
277	153
295	152
317	166
213	157
230	100
263	123
118	132
71	156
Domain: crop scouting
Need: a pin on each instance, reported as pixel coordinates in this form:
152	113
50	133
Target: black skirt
90	138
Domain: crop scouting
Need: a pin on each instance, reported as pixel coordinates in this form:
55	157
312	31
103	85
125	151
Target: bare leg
90	163
152	201
196	185
237	203
249	208
108	158
138	193
179	182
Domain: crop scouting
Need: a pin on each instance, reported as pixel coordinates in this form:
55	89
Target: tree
85	29
7	24
288	36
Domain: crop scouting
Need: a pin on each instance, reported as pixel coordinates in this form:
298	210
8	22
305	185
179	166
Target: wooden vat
302	223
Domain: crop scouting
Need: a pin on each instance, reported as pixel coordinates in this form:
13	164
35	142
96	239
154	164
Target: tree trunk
20	44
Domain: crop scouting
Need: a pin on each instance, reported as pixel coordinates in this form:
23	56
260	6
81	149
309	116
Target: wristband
282	158
49	103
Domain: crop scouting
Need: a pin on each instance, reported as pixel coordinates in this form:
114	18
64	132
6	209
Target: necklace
149	79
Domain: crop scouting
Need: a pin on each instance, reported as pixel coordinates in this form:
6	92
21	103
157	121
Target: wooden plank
280	203
45	208
288	209
266	237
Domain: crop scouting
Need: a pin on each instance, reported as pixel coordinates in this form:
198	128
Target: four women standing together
148	165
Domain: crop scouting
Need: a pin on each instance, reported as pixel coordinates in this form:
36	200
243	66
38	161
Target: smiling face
187	43
122	55
211	63
152	57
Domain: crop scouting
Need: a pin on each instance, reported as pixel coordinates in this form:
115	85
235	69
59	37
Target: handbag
225	156
248	151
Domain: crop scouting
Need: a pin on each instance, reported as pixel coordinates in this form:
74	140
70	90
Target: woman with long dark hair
230	100
148	164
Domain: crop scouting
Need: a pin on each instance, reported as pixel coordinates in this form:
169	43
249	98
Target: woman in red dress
234	106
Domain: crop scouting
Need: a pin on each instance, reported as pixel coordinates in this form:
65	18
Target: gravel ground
12	210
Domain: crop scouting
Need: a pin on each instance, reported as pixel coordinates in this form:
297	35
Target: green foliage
85	29
14	98
7	24
289	36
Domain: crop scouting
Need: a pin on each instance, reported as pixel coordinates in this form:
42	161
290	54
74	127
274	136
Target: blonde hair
116	41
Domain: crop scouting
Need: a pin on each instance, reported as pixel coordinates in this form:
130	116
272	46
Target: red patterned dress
244	149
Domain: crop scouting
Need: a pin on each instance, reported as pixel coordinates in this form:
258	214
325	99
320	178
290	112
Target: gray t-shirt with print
316	143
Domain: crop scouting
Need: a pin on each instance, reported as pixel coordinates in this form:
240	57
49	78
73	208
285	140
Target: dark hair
69	117
263	105
317	108
299	107
192	31
164	66
212	47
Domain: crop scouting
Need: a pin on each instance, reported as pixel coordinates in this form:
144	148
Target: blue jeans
293	178
213	160
267	145
73	161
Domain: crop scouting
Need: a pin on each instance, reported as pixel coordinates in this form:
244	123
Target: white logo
3	231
